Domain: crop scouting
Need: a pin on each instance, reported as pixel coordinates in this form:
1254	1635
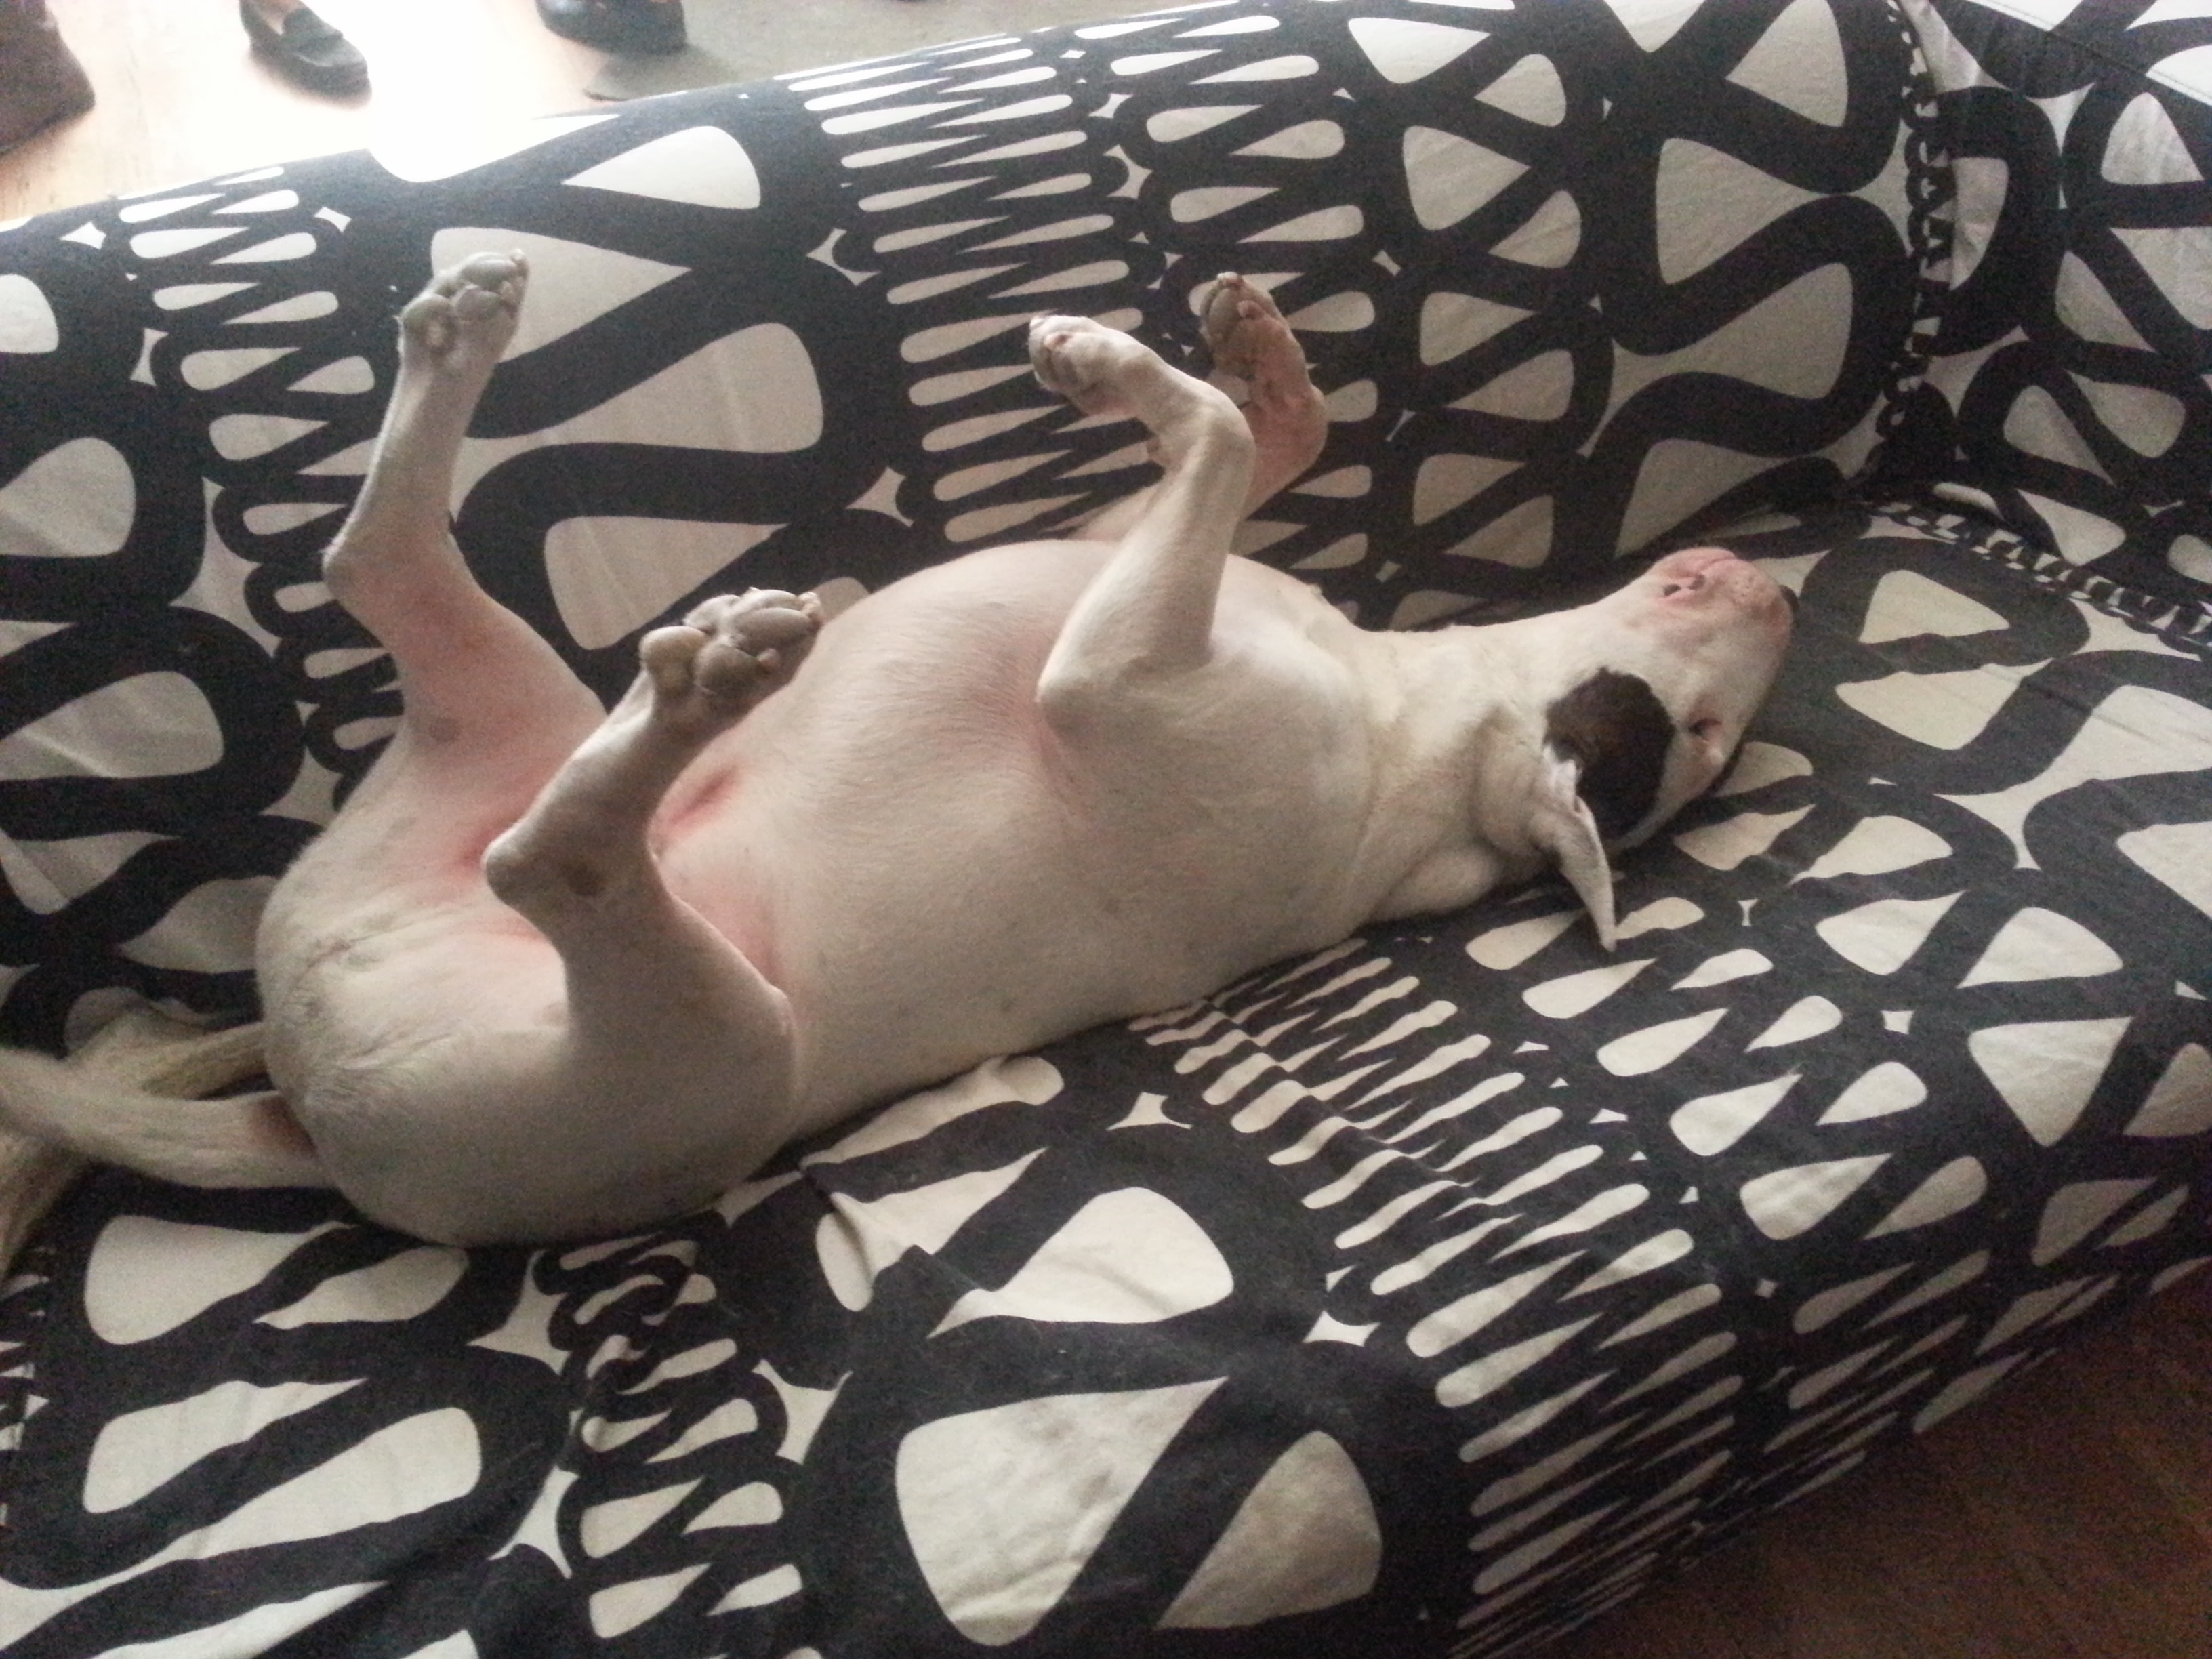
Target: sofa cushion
1424	1296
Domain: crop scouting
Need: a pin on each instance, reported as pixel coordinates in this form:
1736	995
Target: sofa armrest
2067	399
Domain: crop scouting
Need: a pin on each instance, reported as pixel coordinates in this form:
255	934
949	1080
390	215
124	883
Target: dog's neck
1460	734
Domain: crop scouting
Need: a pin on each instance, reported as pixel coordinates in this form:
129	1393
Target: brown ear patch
1617	731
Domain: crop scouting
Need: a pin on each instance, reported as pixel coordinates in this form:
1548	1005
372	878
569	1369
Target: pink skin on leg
1286	412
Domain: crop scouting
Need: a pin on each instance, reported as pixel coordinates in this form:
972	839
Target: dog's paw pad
729	653
1247	334
465	317
1085	361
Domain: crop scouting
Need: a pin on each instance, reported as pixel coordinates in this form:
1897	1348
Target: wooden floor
2067	1517
181	98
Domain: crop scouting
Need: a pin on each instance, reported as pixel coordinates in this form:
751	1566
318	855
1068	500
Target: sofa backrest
2067	398
1574	277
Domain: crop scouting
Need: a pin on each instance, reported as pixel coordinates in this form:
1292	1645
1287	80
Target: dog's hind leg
617	1061
489	708
670	1070
1287	416
465	1076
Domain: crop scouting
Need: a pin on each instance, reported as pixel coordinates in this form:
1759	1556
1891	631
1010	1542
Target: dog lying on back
556	971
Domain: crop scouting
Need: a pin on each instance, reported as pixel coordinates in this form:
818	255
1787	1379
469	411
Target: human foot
622	26
41	82
304	48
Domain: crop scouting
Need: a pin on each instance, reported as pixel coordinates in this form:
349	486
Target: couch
1430	1295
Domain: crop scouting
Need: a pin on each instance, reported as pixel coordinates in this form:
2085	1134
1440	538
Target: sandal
647	27
305	49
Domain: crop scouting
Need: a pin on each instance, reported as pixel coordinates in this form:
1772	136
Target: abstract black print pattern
2068	401
1431	1293
1498	234
1438	1291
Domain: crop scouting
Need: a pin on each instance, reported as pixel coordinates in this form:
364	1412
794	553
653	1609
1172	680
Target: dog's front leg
1284	410
1149	612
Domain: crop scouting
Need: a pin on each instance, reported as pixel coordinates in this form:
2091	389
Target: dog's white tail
128	1097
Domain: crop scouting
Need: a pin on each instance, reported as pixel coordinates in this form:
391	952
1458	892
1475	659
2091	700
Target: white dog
555	972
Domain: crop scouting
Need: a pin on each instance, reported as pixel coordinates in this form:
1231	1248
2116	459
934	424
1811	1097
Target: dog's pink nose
1693	567
1713	582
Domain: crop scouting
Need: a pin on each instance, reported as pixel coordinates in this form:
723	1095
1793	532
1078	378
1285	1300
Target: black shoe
306	49
640	27
40	80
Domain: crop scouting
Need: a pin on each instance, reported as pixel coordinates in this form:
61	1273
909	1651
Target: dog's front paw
1086	362
1249	339
728	653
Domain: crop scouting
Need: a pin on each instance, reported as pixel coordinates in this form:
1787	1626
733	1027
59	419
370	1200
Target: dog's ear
1604	754
1617	733
1560	822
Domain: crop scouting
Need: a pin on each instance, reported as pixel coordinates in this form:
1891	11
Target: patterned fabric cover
1425	1297
2067	398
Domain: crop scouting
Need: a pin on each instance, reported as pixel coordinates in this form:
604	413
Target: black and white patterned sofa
1425	1297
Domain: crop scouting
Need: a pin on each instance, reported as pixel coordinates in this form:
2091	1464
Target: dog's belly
933	875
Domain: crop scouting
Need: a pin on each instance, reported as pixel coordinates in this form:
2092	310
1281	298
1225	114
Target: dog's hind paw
727	654
1249	340
463	321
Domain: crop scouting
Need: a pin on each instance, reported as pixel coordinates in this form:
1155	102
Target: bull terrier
555	971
